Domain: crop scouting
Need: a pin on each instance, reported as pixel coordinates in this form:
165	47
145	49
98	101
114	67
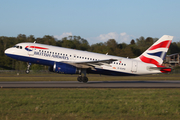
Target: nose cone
8	51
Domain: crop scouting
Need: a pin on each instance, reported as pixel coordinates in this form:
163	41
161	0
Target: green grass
80	104
64	77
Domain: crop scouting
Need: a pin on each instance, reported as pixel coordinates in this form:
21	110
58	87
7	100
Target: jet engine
64	68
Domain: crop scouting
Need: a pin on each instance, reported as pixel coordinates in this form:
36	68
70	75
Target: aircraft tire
79	78
27	71
85	79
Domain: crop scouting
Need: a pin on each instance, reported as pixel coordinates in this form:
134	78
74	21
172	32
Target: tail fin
156	53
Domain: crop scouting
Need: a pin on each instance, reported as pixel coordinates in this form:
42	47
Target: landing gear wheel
84	79
79	78
28	67
27	71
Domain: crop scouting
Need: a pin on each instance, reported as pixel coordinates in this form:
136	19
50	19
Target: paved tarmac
92	84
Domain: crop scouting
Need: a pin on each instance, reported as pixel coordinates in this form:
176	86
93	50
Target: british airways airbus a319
70	61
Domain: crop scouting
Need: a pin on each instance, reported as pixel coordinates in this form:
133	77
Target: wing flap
91	64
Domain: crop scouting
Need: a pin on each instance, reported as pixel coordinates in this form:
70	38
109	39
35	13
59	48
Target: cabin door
30	48
134	66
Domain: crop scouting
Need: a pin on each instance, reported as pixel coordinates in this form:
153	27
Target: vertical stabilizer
156	53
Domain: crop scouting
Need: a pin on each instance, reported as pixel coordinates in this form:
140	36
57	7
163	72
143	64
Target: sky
94	20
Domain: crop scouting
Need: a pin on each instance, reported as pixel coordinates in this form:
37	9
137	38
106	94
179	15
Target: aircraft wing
91	64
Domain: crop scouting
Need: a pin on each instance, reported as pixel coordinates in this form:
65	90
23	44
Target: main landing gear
81	78
28	67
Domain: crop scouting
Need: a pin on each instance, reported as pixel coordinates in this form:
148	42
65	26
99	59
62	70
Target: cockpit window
19	47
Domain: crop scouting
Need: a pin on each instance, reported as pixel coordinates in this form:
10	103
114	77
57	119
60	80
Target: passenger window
17	46
20	47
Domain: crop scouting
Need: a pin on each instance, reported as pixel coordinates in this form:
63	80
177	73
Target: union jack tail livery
156	53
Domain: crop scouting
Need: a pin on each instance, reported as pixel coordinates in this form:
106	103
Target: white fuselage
47	55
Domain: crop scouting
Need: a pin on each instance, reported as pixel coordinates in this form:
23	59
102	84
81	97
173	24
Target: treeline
112	47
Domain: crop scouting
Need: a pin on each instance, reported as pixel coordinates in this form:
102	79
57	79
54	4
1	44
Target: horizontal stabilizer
162	69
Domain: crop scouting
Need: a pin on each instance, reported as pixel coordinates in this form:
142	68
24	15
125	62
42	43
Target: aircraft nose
8	51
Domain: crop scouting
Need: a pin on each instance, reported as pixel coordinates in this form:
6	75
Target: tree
174	48
132	42
122	45
84	44
111	45
68	43
31	38
21	38
149	41
49	40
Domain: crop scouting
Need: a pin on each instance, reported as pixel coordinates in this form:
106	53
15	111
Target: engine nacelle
64	68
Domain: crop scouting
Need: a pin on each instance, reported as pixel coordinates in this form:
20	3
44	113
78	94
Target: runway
92	84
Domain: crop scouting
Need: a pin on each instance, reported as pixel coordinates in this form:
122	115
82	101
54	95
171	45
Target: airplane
70	61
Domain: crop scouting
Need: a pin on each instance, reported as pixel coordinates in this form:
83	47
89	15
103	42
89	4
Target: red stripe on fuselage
36	47
164	44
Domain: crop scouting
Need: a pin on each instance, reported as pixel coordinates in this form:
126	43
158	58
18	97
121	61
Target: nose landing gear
28	67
